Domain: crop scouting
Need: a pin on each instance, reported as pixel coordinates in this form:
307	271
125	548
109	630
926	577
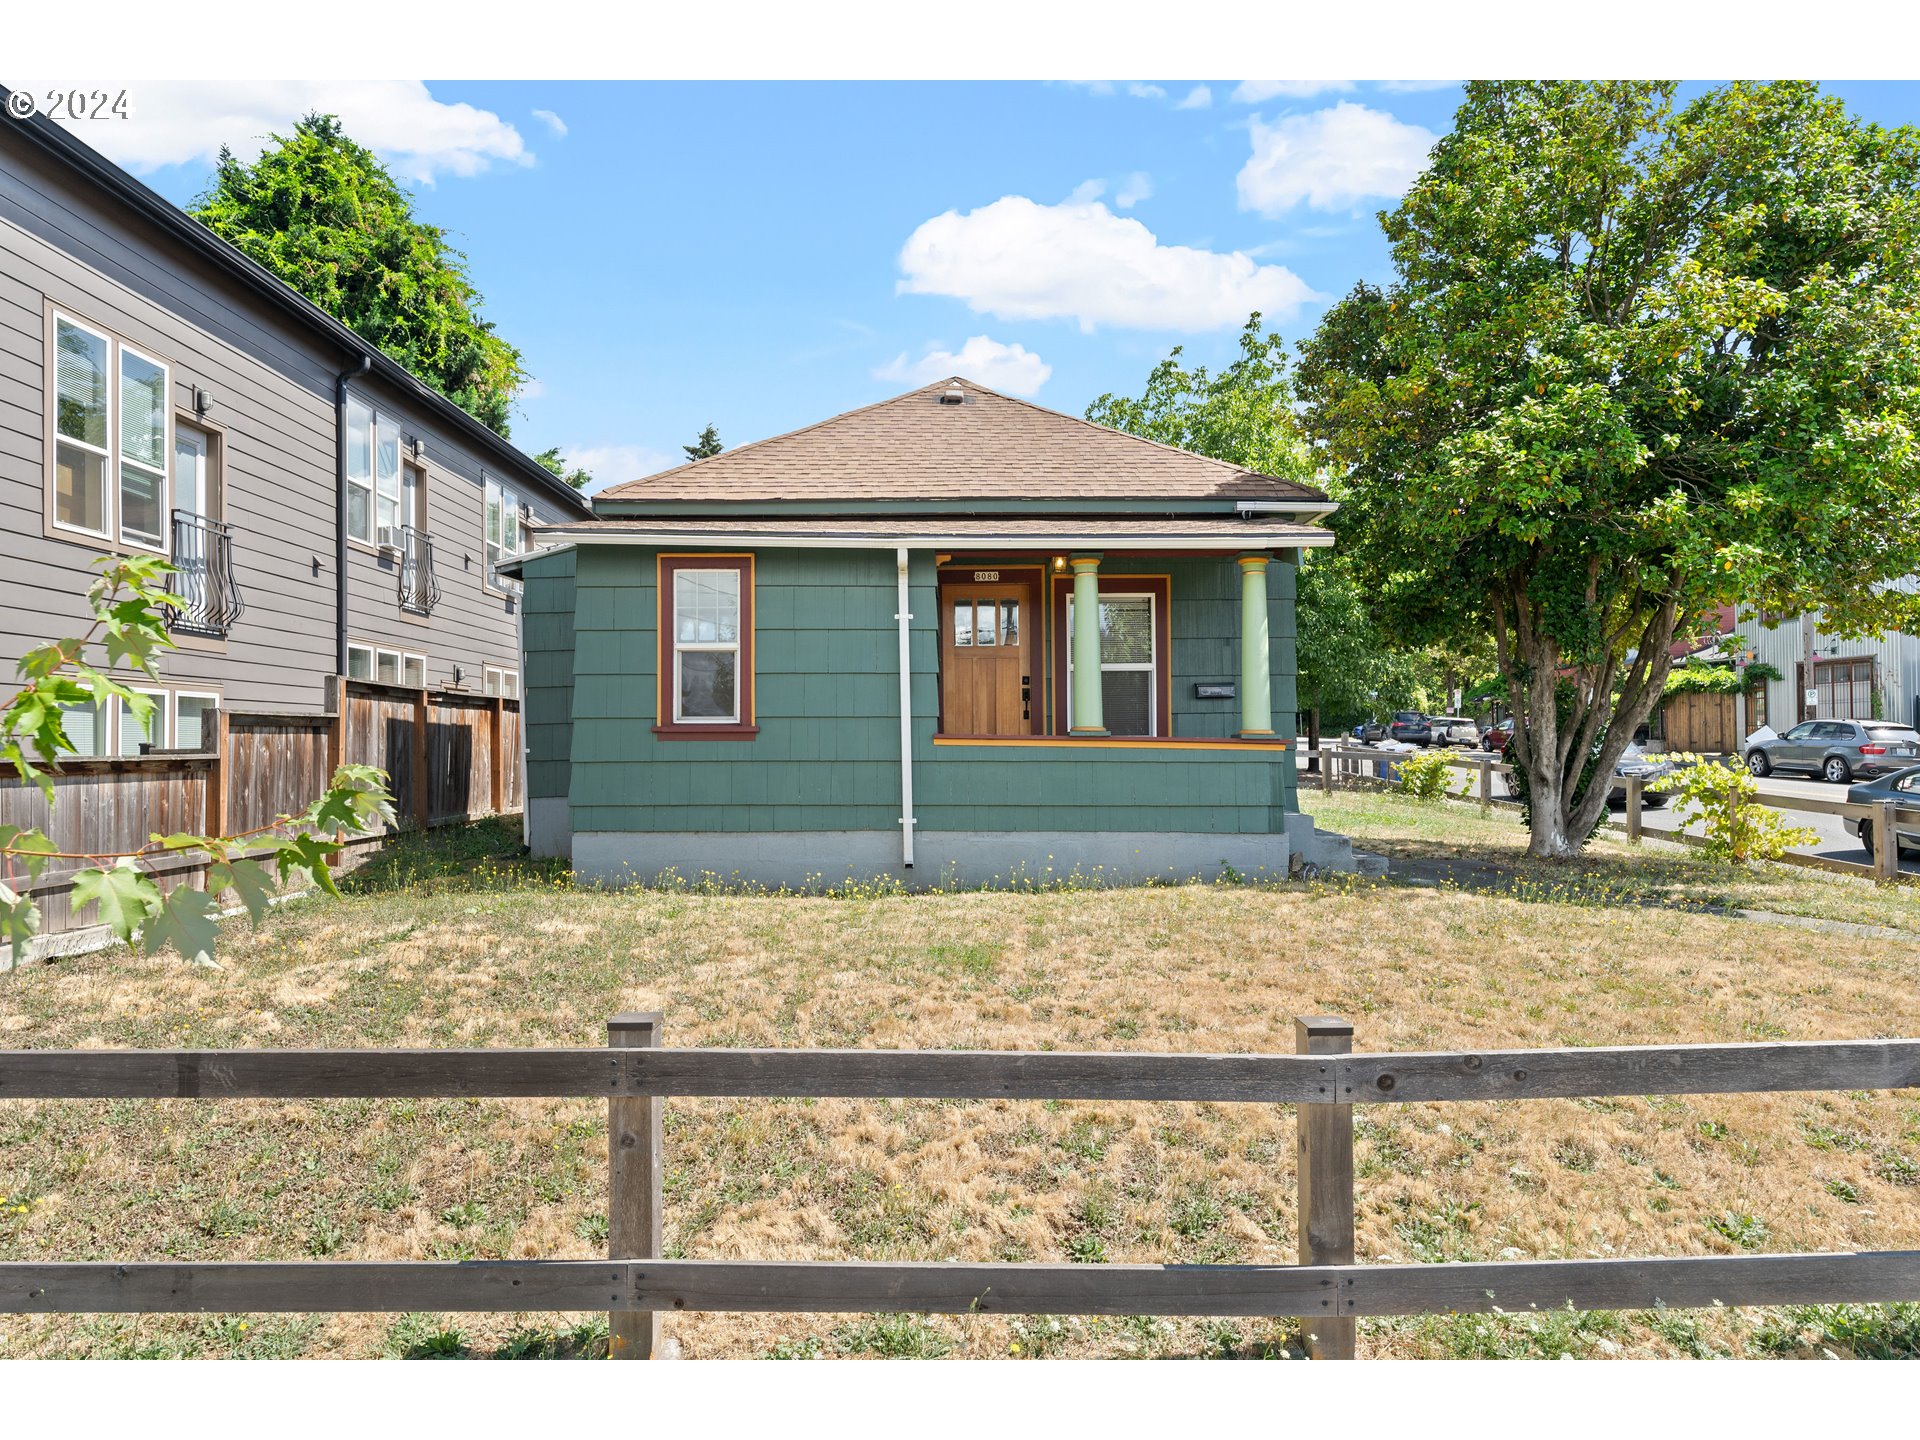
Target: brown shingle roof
914	447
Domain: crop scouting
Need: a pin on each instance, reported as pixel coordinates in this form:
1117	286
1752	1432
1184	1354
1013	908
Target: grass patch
449	940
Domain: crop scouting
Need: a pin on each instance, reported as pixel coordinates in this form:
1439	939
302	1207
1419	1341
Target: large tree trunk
1552	744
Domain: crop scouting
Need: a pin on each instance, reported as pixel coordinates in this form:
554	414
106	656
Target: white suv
1454	730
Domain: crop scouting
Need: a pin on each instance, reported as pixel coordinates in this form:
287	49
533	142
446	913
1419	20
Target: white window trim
158	726
494	680
376	653
372	660
1151	664
511	503
402	498
173	713
680	647
110	457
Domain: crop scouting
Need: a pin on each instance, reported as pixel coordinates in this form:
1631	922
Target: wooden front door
989	659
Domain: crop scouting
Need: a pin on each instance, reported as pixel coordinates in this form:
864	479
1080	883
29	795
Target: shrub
1738	827
1427	775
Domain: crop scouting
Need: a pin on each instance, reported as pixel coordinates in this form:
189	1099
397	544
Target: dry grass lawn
450	949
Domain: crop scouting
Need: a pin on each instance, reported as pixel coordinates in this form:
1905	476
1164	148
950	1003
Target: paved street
1834	843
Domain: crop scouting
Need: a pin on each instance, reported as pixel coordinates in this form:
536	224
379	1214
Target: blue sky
762	255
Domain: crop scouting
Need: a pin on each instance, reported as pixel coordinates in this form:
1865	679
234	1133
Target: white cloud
616	464
1415	87
1255	92
1012	368
419	138
1086	192
1198	98
1331	158
1145	92
1136	187
1019	260
552	121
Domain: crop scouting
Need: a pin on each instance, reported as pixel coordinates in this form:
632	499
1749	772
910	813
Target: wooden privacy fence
1359	766
450	757
1327	1290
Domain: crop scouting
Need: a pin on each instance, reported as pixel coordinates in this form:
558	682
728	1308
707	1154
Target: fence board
970	1074
936	1287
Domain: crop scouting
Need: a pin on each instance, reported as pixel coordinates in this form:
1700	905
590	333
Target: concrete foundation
812	860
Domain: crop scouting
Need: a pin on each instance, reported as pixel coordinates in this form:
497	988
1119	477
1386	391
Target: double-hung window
506	536
112	440
1129	672
380	494
706	646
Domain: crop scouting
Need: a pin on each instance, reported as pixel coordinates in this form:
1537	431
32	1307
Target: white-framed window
192	716
1129	669
89	727
134	732
706	646
502	681
506	535
381	491
112	437
386	667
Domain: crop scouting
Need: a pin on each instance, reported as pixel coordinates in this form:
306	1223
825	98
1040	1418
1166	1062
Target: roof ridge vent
953	395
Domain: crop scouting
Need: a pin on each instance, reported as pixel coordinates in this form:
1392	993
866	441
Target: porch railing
203	560
419	590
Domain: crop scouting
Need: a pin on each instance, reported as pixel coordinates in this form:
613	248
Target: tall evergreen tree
708	444
323	214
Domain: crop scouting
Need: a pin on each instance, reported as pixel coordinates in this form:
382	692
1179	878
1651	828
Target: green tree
1637	360
1245	416
707	445
323	214
550	459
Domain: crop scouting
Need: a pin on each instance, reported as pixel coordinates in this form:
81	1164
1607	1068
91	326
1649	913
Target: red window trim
665	727
1161	588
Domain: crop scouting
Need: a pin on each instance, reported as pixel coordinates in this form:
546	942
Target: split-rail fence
1327	1290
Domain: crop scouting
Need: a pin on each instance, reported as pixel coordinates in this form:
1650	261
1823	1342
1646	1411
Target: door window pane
190	471
82	382
190	721
707	684
79	488
963	622
984	623
1126	697
1009	622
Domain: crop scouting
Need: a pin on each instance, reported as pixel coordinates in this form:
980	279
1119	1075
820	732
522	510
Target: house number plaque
986	575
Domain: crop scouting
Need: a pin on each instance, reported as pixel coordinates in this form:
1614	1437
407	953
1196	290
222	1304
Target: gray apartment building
162	394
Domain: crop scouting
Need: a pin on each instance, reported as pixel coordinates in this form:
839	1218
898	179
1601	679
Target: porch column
1088	715
1256	683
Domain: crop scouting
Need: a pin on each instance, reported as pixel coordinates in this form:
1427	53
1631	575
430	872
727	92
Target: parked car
1901	785
1370	732
1838	750
1495	737
1411	727
1453	730
1634	761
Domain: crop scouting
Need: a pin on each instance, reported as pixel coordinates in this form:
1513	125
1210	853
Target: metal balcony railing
419	590
203	560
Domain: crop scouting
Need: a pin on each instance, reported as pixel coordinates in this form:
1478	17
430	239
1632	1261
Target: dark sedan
1902	785
1410	727
1838	750
1370	732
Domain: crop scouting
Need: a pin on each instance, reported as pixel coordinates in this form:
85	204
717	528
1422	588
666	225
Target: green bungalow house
948	638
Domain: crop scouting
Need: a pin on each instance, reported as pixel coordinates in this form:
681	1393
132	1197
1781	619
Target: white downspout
902	615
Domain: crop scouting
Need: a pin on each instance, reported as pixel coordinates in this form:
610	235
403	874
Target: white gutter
902	616
1285	507
1248	537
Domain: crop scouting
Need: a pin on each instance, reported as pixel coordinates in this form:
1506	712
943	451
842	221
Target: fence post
337	724
1634	784
634	1204
1328	759
1486	785
1886	844
422	785
217	778
1325	1171
497	752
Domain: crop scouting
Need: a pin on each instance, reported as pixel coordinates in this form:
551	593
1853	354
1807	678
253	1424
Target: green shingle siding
826	701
